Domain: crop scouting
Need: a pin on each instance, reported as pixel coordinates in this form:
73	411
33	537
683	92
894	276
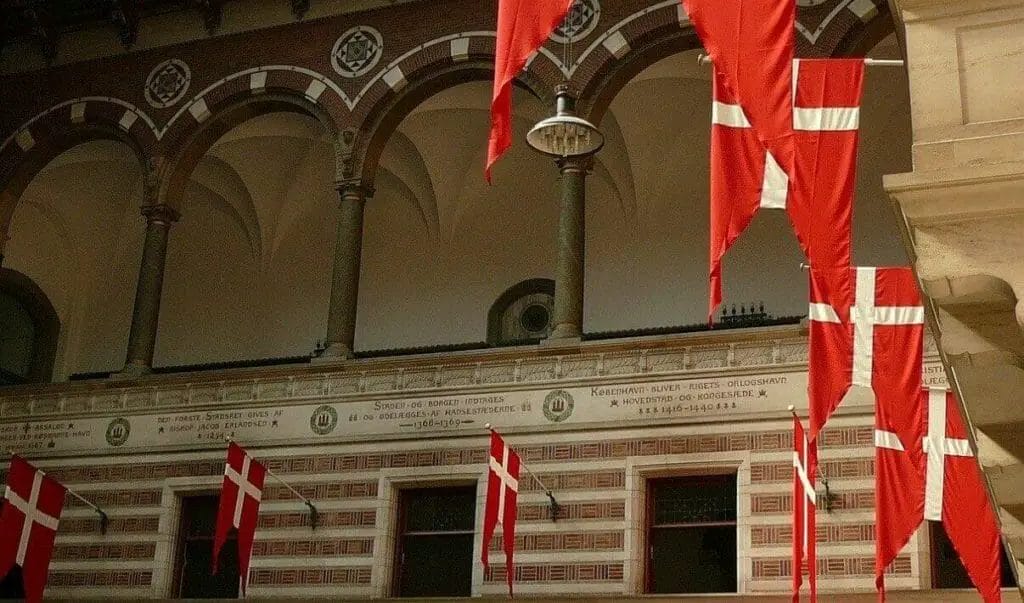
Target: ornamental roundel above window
357	51
167	83
579	23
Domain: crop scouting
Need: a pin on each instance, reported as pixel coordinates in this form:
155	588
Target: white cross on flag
28	525
805	500
938	480
819	151
500	507
866	329
240	497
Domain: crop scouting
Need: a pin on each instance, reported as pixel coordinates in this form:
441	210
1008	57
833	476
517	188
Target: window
434	552
948	571
193	579
522	314
691	534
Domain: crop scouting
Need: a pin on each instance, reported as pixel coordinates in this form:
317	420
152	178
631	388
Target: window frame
649	526
400	534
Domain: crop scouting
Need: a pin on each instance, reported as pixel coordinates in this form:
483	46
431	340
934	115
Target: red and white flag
500	507
750	43
240	497
523	26
866	329
28	525
826	121
955	493
746	176
805	500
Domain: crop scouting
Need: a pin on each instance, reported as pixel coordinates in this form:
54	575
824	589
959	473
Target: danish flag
500	506
747	174
28	525
867	329
805	466
935	477
240	497
523	26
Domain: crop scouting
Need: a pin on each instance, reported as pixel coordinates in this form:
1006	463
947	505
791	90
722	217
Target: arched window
522	314
29	328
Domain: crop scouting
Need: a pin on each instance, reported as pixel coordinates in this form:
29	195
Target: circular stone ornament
579	23
357	51
167	83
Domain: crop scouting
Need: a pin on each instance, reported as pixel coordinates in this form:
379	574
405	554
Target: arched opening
76	233
522	314
29	329
248	264
439	244
647	206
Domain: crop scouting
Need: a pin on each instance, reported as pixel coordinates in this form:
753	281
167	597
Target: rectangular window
434	552
691	534
948	571
192	572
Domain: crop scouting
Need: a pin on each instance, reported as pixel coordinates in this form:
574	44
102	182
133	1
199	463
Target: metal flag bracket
552	503
314	514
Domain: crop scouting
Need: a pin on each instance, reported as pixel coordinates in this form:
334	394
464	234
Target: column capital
161	214
353	187
582	163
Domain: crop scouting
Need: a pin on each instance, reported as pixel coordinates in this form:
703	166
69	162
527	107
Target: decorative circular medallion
118	431
357	51
579	23
558	406
167	83
324	420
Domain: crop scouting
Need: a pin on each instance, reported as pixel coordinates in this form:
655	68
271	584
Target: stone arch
45	322
188	147
384	117
47	140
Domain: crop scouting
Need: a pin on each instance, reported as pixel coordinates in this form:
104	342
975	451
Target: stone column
146	314
348	250
568	310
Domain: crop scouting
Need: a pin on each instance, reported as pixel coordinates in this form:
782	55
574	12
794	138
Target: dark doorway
947	569
691	534
11	587
434	552
29	329
193	577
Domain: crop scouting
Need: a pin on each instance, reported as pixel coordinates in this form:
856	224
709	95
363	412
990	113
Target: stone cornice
702	355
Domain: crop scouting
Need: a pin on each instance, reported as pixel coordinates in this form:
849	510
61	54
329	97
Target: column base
133	370
564	335
335	352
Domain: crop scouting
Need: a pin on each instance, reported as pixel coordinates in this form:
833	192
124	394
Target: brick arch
47	138
185	147
860	40
363	156
615	74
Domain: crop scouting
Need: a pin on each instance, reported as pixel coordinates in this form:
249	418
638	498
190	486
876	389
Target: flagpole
104	520
314	515
704	59
547	491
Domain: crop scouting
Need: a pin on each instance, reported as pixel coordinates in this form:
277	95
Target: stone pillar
146	314
568	310
961	213
348	250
